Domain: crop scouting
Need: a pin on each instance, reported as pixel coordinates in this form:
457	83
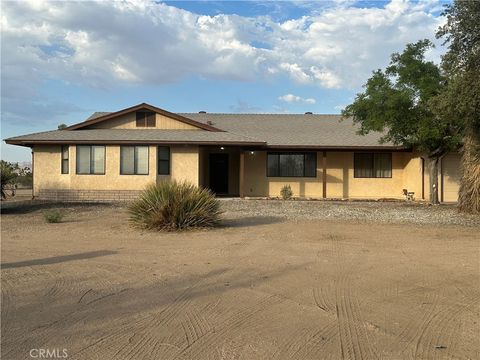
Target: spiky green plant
175	205
286	192
8	176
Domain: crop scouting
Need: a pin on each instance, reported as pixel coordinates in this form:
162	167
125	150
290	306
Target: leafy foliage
286	192
460	99
53	216
397	102
175	206
8	176
400	102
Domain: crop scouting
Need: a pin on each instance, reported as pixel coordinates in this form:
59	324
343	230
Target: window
134	160
90	159
145	119
163	160
373	165
292	164
64	159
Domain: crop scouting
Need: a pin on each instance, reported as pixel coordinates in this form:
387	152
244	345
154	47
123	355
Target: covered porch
222	170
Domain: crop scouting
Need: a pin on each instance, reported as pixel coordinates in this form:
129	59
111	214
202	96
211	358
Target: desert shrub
286	192
8	176
53	216
174	206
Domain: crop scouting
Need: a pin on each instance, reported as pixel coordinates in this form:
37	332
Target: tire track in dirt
145	327
229	328
439	331
354	340
8	310
316	344
346	329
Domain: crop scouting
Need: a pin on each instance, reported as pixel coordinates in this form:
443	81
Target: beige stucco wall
47	169
258	184
406	173
128	121
451	177
190	163
341	182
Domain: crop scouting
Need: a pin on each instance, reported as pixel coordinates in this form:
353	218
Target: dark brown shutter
150	119
140	119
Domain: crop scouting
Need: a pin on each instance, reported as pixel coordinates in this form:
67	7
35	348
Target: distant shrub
286	192
53	216
8	176
175	206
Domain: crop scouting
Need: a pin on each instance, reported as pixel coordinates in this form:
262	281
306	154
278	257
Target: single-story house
111	156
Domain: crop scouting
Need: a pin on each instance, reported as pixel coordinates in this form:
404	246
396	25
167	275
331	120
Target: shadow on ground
26	207
246	221
58	259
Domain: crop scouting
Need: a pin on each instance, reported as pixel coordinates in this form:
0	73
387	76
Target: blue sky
61	61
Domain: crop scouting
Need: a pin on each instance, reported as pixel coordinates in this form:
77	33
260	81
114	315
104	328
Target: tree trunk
434	163
469	192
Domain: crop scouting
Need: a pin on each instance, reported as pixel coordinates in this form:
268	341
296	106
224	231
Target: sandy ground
258	288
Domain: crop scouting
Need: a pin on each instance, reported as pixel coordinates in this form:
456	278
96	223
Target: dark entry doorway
219	173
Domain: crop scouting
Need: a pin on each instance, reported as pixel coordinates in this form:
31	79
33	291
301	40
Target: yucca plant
175	205
286	192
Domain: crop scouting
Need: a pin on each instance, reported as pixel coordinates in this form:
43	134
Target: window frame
90	165
373	168
64	170
169	160
145	119
278	153
135	167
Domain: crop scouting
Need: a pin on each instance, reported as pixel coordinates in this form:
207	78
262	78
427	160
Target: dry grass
469	193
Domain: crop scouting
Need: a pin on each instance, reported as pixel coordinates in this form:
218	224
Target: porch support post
242	174
324	175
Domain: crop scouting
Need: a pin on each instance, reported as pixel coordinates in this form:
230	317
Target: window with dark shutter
372	165
163	160
145	119
65	157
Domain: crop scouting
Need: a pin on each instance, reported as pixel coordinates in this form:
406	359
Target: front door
219	173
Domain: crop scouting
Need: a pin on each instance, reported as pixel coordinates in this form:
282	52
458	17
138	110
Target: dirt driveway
261	288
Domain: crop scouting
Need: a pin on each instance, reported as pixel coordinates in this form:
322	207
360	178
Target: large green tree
397	101
460	98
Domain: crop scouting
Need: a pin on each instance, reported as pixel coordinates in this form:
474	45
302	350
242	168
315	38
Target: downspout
441	179
33	174
423	178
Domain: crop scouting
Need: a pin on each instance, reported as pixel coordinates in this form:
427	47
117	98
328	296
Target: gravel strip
383	212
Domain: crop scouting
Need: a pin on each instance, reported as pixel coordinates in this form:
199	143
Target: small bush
175	206
286	192
53	216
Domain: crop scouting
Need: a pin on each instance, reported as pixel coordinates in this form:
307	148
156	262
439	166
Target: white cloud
290	98
145	42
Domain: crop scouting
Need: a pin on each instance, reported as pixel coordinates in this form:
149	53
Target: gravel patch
383	212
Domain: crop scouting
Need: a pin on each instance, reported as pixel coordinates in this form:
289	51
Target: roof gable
108	116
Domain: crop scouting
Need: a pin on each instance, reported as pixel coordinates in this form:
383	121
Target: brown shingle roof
293	129
133	136
272	130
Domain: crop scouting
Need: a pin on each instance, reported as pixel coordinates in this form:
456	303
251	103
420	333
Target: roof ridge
275	114
35	133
